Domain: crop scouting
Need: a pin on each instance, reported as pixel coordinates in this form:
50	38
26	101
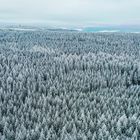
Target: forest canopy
69	86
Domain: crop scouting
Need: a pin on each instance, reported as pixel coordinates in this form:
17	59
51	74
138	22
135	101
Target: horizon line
43	23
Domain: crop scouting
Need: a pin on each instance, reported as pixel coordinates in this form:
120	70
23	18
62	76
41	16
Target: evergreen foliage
69	86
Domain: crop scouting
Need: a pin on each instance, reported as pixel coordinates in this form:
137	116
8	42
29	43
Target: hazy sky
71	12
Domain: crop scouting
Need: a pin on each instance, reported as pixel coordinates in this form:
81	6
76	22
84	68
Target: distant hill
102	28
127	29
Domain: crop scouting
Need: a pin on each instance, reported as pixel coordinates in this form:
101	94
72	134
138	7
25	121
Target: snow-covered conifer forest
69	86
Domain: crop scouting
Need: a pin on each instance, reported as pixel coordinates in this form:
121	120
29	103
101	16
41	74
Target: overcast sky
71	12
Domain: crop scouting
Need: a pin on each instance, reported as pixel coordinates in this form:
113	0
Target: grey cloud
71	12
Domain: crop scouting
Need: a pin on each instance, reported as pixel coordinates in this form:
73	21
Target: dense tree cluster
69	86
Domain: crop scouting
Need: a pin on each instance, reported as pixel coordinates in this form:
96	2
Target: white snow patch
19	29
109	31
79	29
42	49
136	32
